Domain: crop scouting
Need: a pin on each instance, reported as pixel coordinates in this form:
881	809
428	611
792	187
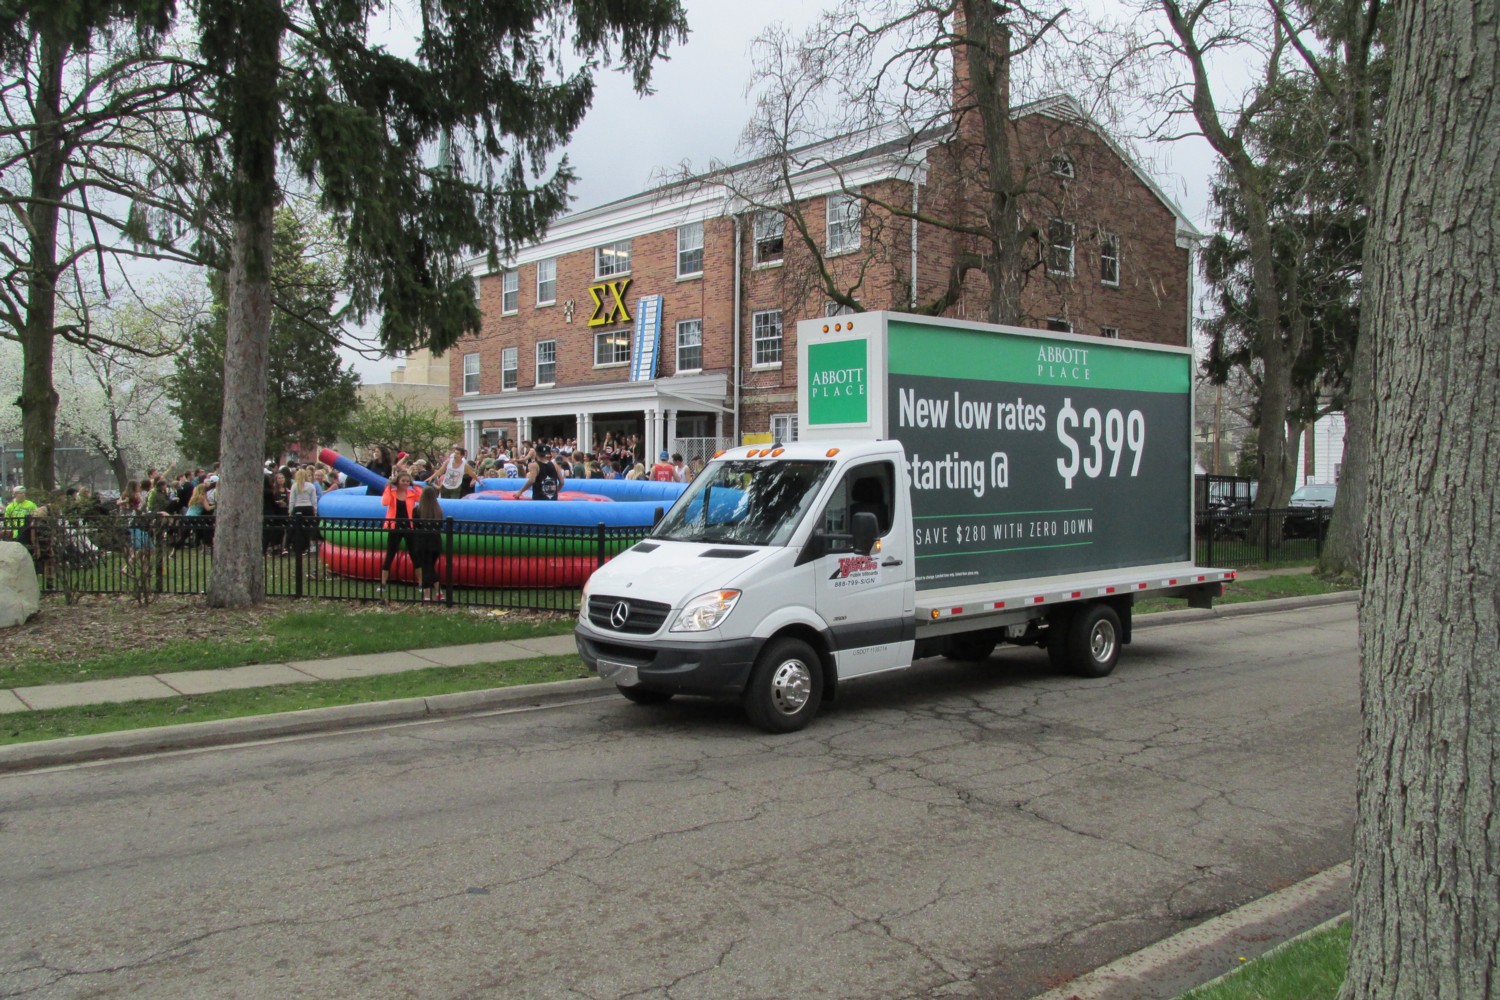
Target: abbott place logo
838	378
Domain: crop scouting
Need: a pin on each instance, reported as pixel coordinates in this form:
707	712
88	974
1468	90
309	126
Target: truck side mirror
865	529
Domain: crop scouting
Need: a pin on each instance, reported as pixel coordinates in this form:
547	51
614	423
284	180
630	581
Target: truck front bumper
708	667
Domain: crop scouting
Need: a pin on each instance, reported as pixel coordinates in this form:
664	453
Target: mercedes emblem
620	615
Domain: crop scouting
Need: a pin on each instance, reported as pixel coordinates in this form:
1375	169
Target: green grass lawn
1309	968
295	634
1243	591
27	727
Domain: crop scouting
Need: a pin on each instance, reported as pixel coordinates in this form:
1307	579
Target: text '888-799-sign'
1033	456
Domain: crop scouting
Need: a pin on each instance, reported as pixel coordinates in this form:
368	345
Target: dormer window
1062	166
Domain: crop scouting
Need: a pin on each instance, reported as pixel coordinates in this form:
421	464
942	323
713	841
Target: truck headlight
706	611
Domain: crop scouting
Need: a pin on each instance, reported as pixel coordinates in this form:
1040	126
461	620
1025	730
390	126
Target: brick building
672	314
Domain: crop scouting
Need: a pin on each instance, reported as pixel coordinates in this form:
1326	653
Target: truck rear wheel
786	686
1093	642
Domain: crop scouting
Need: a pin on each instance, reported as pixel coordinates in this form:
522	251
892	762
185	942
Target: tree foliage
1295	145
92	172
310	394
918	83
1318	218
304	82
402	426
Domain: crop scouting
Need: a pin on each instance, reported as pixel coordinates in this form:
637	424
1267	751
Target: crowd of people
177	510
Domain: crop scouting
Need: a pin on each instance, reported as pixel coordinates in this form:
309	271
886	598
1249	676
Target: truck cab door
867	602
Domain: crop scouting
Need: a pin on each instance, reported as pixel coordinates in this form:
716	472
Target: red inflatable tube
465	570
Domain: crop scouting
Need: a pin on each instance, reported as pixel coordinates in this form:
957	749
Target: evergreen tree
504	84
309	394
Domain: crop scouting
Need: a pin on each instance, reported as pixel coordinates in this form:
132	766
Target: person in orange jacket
401	497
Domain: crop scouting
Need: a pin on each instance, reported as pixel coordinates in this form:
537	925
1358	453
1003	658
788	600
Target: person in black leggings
400	498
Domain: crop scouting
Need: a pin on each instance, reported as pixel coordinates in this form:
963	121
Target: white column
581	430
471	436
523	431
718	430
671	429
653	436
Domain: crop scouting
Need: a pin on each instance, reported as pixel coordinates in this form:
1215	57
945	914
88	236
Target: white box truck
954	486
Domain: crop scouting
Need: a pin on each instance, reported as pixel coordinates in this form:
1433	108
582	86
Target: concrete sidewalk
197	682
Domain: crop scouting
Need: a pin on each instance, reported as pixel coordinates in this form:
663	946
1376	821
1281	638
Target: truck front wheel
786	686
1093	642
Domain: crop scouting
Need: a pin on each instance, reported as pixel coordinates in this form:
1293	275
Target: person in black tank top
543	478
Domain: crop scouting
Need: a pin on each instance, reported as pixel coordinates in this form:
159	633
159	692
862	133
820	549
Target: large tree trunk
1426	911
38	397
987	57
253	33
239	566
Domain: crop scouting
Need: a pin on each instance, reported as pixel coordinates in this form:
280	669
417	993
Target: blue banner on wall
644	352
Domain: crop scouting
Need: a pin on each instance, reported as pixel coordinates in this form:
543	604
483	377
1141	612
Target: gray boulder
20	594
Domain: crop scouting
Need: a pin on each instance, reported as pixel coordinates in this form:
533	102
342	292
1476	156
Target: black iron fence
464	563
1242	537
460	563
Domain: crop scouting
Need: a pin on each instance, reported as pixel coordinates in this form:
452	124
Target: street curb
221	732
1186	957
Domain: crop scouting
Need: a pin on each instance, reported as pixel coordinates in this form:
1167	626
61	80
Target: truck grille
621	614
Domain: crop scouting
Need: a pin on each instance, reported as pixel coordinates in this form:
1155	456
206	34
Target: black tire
1094	641
644	696
972	648
786	686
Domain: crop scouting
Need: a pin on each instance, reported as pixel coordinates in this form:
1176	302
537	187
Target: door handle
891	562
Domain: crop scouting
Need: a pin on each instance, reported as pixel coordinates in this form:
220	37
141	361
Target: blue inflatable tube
631	502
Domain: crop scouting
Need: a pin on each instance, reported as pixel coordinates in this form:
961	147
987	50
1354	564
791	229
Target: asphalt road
952	830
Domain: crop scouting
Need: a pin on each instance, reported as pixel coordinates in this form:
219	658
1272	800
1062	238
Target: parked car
1317	500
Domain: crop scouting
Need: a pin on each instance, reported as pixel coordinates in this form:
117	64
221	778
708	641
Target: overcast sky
699	108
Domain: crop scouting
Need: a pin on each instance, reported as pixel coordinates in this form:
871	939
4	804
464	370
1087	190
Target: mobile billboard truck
956	485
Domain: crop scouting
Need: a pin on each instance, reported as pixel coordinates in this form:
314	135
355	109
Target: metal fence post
600	533
447	577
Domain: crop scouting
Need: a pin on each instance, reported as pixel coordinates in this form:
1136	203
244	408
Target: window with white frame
546	281
843	223
766	337
611	259
1109	259
690	250
1109	332
1059	325
690	345
510	291
1062	166
784	427
612	347
832	308
770	237
546	362
1059	247
471	374
509	368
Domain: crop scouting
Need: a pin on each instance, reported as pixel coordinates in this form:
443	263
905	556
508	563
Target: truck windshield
744	503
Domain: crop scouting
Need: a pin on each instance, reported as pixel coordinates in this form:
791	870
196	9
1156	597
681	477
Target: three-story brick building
671	314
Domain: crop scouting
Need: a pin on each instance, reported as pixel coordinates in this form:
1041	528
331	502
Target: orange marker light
830	452
777	452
